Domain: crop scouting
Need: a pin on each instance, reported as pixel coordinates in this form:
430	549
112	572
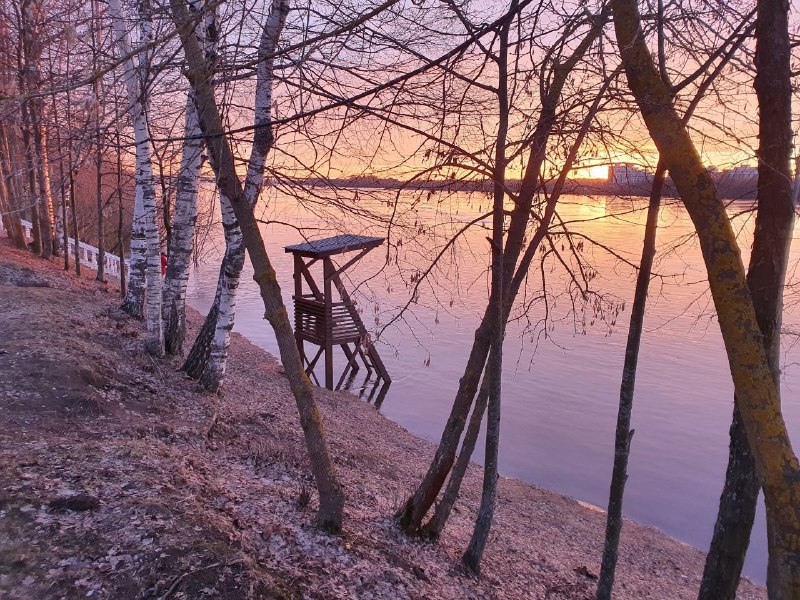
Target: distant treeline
744	189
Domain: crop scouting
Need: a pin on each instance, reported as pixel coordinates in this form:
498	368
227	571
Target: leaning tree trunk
213	371
207	359
330	491
435	525
145	230
415	508
765	278
756	394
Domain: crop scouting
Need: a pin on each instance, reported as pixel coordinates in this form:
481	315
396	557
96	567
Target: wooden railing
87	254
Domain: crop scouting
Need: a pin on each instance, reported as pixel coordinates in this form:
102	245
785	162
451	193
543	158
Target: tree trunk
64	234
197	359
208	356
435	525
756	394
138	270
46	227
120	236
213	373
75	238
30	175
483	523
145	229
101	250
98	138
13	190
32	40
735	517
765	279
183	227
330	491
417	506
622	443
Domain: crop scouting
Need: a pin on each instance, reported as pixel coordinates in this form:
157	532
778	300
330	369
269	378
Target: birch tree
331	496
185	214
31	15
145	269
208	357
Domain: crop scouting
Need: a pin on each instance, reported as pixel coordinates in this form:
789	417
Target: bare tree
756	394
144	235
330	491
207	360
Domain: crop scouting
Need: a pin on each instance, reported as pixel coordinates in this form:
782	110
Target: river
561	378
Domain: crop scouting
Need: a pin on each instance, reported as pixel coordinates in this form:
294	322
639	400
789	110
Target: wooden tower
321	321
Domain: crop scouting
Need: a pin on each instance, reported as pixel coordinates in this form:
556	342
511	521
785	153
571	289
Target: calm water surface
561	377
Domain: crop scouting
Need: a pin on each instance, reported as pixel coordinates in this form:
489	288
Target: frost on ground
122	479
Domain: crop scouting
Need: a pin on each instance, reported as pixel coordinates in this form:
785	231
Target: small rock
583	570
78	502
93	378
419	573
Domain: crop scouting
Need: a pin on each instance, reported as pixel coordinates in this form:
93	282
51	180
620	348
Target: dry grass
203	496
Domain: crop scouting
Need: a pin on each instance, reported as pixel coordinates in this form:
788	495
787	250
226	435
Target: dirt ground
122	479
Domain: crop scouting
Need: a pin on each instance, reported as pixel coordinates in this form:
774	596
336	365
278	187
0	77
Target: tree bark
12	189
182	231
213	372
330	491
32	15
765	279
45	197
483	523
756	394
145	230
735	517
624	434
98	138
435	525
183	228
30	175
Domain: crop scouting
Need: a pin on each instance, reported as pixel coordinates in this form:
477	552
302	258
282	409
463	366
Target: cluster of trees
281	93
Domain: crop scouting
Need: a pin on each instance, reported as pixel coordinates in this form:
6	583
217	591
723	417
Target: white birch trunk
185	215
183	228
233	262
230	275
137	270
144	233
212	373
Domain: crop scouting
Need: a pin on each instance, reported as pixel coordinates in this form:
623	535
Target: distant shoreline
734	190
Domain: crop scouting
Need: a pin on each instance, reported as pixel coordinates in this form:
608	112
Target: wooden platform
324	322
